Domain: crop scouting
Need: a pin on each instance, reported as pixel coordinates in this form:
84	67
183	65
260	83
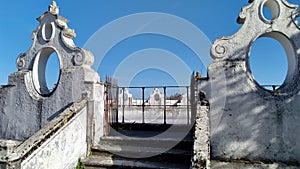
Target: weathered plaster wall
26	103
64	148
248	122
59	144
57	127
22	115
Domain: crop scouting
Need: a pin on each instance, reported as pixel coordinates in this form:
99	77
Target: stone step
175	134
105	161
135	147
155	142
149	153
152	127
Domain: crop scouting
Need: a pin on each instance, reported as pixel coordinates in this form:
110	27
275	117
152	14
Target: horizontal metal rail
163	104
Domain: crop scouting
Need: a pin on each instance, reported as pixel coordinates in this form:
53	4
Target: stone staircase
143	146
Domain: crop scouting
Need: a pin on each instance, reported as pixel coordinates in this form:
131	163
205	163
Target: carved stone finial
53	8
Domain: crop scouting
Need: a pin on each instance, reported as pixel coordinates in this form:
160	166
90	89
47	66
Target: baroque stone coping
24	149
282	27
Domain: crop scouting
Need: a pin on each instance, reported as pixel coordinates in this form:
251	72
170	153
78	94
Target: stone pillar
201	154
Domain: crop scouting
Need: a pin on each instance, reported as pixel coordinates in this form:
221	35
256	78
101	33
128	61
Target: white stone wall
26	103
63	149
247	121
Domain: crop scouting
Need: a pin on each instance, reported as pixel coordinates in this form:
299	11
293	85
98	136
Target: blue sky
214	18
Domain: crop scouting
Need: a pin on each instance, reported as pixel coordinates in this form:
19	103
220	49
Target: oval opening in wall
46	71
268	63
270	10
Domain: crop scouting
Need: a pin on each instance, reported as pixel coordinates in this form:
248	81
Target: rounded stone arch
39	66
291	54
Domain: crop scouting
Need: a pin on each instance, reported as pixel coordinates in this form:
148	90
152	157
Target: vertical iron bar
106	109
123	90
187	105
117	108
165	111
143	104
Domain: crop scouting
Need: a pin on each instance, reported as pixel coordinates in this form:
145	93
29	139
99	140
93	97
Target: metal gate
111	103
148	104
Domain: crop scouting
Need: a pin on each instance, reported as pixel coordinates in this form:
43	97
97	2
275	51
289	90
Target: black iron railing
147	104
110	102
160	100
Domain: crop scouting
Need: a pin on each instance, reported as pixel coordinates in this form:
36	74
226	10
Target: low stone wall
57	145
